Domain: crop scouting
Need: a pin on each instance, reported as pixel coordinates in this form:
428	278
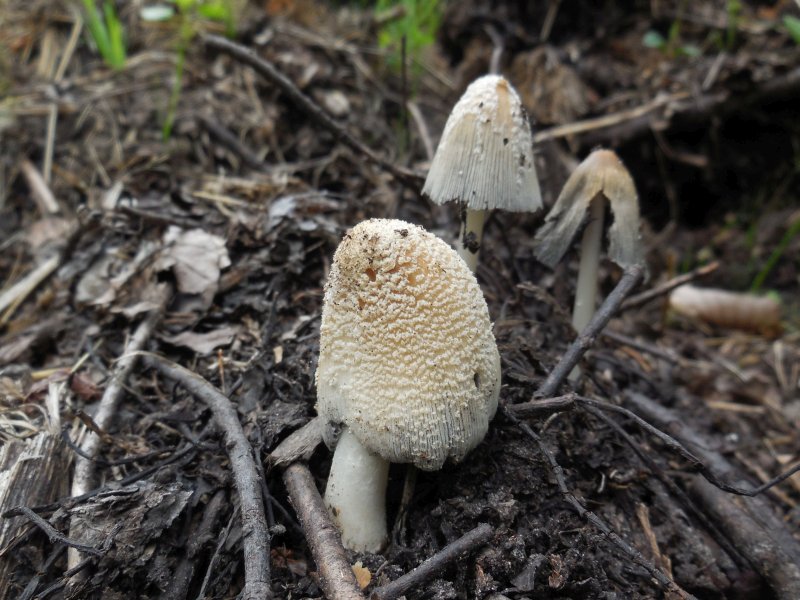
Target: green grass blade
97	29
116	37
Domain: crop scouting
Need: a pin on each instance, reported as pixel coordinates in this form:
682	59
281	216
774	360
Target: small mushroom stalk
470	236
586	288
356	494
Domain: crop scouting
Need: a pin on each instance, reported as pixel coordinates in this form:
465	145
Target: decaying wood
336	576
256	538
32	471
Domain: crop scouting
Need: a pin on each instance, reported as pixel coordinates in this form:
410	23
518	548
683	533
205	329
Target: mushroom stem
356	494
470	236
586	288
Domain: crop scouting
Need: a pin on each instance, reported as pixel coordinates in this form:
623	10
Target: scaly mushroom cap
485	156
602	172
407	357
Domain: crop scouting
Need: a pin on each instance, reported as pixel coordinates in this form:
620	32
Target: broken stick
336	576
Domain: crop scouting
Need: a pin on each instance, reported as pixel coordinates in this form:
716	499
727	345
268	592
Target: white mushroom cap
485	156
601	173
407	358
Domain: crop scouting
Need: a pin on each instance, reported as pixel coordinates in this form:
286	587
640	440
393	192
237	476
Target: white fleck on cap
601	173
485	156
407	357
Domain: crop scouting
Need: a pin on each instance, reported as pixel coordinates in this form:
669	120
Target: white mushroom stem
471	223
586	289
356	494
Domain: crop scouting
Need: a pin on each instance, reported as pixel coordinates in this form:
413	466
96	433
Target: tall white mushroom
408	369
484	160
599	181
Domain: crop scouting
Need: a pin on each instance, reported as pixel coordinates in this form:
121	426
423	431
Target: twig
300	100
652	349
630	279
435	564
336	576
778	553
16	294
206	531
662	112
545	406
83	480
119	484
231	142
52	533
50	142
422	126
606	121
670	285
255	538
40	191
589	516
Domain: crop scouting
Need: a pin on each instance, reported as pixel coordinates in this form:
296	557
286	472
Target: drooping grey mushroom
484	160
600	180
408	369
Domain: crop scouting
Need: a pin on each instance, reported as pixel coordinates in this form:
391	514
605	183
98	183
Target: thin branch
231	142
256	538
52	533
680	108
336	576
433	566
266	69
545	406
40	191
630	279
83	479
670	285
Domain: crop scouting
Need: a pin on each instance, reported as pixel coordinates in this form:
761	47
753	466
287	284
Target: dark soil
715	160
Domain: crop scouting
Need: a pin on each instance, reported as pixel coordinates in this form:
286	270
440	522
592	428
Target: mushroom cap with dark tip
485	156
600	174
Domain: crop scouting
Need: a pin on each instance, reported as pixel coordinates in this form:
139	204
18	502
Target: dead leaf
196	258
203	343
49	230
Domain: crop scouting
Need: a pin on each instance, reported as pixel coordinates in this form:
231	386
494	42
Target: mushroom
599	180
408	370
484	160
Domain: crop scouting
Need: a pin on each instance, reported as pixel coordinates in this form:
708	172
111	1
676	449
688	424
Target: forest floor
211	248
